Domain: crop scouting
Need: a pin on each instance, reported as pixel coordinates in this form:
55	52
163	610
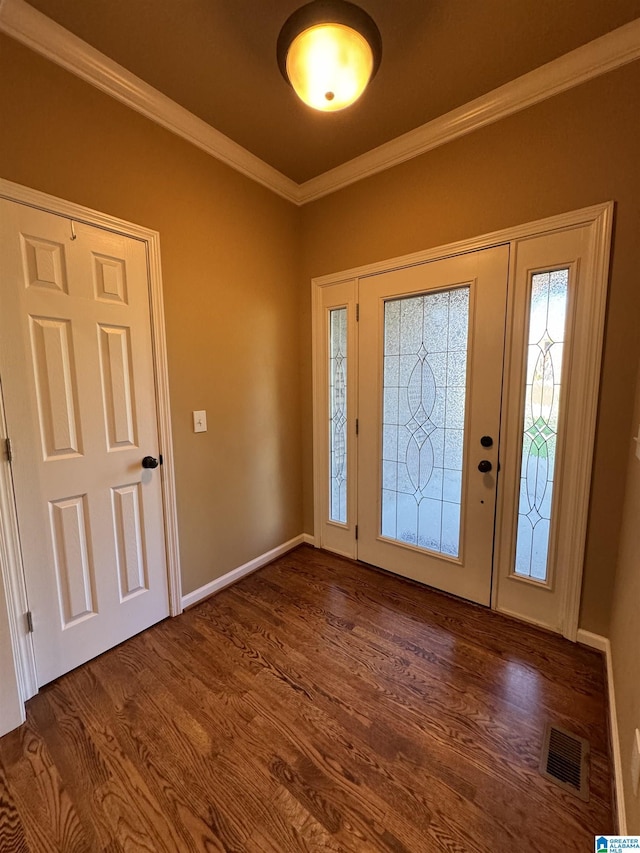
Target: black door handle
486	441
149	462
485	466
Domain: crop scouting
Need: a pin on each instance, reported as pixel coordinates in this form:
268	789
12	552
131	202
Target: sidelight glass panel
338	414
547	321
425	376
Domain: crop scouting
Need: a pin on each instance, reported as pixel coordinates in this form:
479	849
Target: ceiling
217	59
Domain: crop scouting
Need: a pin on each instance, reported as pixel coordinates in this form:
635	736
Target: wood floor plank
184	765
12	834
501	639
48	815
402	692
318	705
292	830
98	812
465	659
243	642
397	796
123	801
78	761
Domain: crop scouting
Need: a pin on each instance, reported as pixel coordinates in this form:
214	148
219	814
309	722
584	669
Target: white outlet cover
200	421
635	762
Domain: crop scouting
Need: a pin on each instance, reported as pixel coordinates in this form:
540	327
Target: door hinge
356	531
8	449
357	426
29	618
357	311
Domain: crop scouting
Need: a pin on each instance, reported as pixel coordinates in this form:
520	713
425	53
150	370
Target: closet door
80	401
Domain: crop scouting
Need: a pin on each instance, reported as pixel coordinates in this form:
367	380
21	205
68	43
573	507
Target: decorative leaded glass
547	320
338	414
425	375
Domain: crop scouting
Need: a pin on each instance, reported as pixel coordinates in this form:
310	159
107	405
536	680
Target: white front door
430	381
78	382
454	420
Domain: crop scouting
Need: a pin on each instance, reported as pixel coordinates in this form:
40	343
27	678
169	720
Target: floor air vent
565	760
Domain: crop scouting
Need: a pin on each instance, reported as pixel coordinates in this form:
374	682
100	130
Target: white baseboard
596	641
234	575
308	539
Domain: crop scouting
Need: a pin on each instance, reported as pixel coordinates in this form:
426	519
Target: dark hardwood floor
316	705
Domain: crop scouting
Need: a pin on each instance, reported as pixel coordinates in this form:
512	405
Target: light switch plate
200	421
635	762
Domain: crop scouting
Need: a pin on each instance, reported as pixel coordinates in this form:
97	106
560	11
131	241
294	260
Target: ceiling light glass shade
329	66
328	51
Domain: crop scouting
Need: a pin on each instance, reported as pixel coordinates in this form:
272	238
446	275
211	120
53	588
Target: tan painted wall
577	149
625	619
231	298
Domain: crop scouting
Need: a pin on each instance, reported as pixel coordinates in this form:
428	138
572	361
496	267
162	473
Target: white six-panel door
78	382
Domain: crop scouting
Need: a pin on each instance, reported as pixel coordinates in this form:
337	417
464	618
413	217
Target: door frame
600	219
11	565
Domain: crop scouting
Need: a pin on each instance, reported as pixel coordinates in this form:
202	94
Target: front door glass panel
547	321
424	393
338	415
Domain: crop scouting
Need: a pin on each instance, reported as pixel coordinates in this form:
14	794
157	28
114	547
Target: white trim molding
235	575
10	554
592	366
30	27
12	577
593	59
596	641
27	25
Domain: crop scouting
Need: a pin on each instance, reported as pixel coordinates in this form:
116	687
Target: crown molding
617	48
25	24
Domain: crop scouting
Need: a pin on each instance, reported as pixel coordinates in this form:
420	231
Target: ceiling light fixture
328	51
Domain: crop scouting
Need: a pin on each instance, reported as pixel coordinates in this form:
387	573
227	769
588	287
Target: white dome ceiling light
328	51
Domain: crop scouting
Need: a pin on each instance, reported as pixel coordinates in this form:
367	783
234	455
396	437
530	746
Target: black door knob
149	462
486	441
485	466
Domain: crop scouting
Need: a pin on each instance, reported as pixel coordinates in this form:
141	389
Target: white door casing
23	683
533	247
86	417
11	707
